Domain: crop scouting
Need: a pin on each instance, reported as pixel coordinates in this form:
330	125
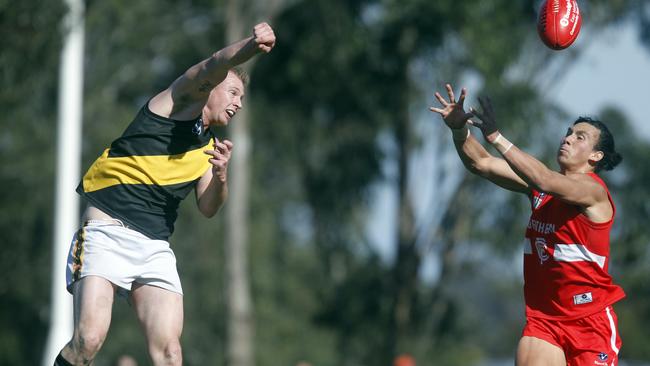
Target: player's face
577	147
226	100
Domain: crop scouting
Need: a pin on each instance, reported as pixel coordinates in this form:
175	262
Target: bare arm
578	189
212	188
473	155
479	161
186	96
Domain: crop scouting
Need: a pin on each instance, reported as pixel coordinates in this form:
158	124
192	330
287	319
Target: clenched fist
263	37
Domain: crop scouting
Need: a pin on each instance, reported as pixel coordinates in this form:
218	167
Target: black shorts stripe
77	253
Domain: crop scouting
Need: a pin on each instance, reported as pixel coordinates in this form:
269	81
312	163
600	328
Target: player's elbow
209	208
208	212
479	167
542	181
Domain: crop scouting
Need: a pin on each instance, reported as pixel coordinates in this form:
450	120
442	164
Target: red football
559	23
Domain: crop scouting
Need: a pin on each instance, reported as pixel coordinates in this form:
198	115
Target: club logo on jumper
542	250
197	129
585	298
537	200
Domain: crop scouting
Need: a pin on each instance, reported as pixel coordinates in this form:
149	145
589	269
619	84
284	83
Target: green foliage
28	70
344	78
630	240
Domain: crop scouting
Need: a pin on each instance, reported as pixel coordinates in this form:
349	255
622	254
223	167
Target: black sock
60	361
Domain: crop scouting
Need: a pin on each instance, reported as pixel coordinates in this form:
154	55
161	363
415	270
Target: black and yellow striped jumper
145	174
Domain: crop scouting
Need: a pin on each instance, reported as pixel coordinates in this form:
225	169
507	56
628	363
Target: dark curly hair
605	144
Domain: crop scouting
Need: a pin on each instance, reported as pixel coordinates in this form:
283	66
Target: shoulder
593	183
597	179
589	179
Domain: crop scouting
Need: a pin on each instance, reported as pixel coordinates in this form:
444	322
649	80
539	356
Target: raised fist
263	37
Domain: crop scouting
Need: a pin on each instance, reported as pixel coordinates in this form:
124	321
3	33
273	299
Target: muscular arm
575	188
479	161
578	189
211	193
186	96
473	155
212	188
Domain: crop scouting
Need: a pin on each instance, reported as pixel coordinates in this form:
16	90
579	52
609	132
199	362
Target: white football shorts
111	250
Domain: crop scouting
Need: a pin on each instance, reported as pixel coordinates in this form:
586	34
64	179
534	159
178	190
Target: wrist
460	134
499	142
493	137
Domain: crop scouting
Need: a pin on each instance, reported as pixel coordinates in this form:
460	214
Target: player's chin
221	121
562	157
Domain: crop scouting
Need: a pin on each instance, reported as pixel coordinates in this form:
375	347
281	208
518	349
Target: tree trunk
240	312
407	260
241	327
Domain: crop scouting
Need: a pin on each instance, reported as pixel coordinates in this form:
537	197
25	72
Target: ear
596	156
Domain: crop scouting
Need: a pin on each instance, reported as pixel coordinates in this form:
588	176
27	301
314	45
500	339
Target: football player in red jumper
568	290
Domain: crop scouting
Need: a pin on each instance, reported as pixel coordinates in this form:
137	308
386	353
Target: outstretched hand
263	37
452	111
486	121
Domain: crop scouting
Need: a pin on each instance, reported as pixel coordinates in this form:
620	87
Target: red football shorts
592	340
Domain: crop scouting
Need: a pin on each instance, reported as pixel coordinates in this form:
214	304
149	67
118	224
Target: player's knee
87	344
173	353
169	352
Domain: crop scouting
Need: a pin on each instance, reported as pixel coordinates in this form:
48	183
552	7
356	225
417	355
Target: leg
160	313
537	352
93	303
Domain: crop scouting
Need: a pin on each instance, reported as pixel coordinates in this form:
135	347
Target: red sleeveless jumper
566	260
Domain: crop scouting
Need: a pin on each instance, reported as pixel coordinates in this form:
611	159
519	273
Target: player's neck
573	169
577	170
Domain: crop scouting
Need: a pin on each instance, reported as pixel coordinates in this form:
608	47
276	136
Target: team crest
542	250
537	200
198	127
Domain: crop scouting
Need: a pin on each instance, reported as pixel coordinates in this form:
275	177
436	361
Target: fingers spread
483	103
476	113
463	94
441	99
450	92
489	105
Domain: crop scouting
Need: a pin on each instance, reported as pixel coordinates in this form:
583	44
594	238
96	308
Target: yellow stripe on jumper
157	169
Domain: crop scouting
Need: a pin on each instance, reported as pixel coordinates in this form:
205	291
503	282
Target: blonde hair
241	74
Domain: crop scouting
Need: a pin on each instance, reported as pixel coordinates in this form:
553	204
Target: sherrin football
559	23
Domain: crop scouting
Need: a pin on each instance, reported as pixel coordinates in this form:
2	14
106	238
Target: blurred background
352	233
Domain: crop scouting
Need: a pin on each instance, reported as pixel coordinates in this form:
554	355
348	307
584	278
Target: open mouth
230	112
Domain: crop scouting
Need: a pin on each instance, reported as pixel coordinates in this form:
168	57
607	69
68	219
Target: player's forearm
231	56
470	151
213	198
214	69
527	167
